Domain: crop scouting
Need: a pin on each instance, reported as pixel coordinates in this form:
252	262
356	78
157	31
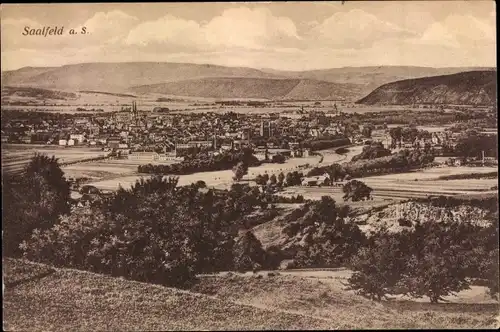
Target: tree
201	184
240	170
367	130
281	178
273	179
396	134
260	180
356	191
372	151
278	158
248	253
378	266
432	259
265	178
440	263
32	200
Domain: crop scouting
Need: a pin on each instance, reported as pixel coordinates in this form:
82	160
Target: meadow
66	299
16	156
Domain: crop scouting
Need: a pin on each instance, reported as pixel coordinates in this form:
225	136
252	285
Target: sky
284	36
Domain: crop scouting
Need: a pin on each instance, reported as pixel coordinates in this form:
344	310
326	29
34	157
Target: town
250	166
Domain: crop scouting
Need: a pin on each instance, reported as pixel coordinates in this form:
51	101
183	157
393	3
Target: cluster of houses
129	132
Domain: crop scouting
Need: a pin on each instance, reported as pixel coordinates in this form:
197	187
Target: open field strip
434	173
218	179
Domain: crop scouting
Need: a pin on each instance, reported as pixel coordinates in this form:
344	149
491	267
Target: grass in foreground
326	298
76	300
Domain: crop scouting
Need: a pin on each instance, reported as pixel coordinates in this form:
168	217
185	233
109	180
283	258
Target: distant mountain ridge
127	76
466	88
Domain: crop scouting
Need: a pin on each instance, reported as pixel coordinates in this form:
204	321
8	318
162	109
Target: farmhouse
315	180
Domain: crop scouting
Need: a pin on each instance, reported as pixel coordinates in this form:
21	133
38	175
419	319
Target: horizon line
257	68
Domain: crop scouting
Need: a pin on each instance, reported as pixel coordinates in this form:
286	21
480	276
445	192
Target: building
144	156
315	180
266	129
201	144
63	142
77	137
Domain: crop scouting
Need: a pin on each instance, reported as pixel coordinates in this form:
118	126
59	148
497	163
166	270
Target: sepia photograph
307	165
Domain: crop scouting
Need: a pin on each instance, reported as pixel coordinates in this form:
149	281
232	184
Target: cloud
459	31
168	31
356	29
110	25
258	37
235	28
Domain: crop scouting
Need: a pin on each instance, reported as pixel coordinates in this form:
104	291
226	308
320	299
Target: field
75	300
217	179
106	169
16	156
422	183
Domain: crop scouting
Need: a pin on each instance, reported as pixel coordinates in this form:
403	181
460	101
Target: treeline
290	179
401	161
322	144
203	162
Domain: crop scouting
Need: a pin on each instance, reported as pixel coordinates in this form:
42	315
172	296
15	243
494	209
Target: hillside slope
117	77
69	300
467	88
239	87
372	76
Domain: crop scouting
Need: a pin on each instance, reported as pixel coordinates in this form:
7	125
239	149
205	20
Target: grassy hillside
467	88
239	87
74	300
321	294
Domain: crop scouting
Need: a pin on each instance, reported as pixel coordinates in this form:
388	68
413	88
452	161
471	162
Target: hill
467	88
371	77
239	87
120	77
117	77
69	300
44	298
